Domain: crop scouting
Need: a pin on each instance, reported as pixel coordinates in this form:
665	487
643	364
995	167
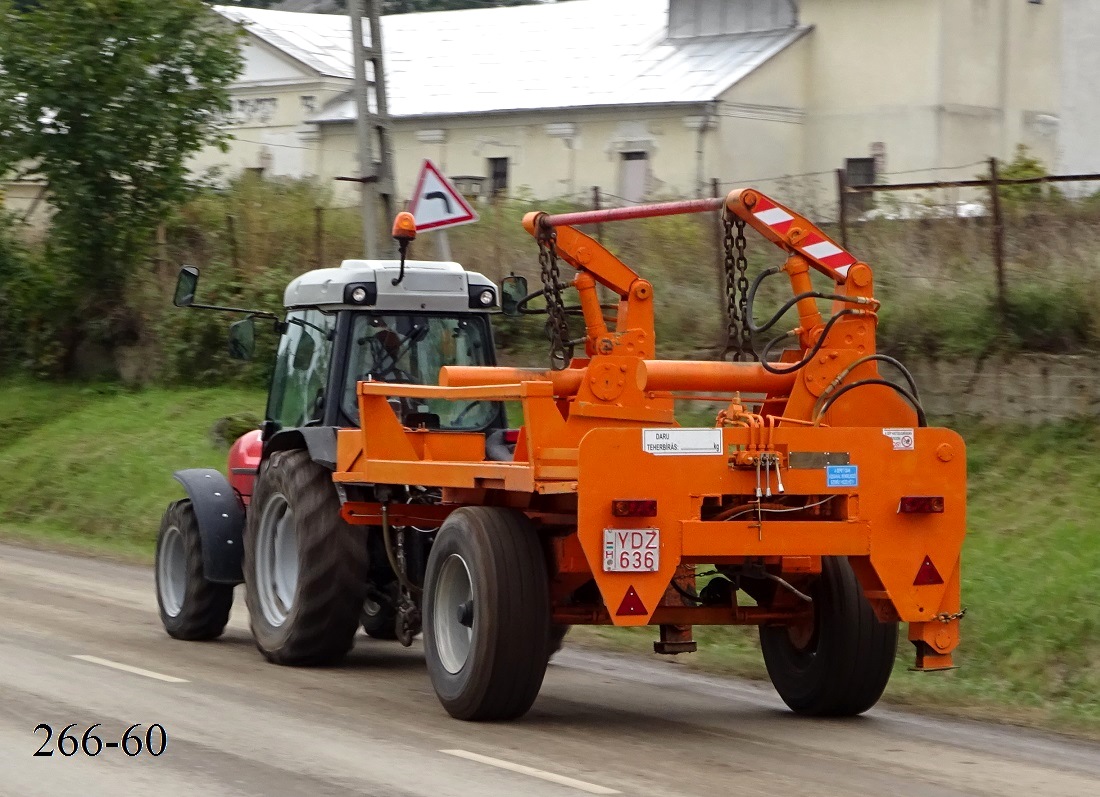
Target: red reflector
928	574
621	508
921	505
511	435
631	604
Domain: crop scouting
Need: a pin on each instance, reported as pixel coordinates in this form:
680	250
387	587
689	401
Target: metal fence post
842	206
998	239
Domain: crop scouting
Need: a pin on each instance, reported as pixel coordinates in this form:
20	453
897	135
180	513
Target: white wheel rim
276	560
454	588
172	571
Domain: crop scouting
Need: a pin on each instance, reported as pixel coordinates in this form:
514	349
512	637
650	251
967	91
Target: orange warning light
928	574
632	604
404	226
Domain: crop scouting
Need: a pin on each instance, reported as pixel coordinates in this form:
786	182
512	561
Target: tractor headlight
482	297
361	293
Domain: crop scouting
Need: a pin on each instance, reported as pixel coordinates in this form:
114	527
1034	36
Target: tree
106	100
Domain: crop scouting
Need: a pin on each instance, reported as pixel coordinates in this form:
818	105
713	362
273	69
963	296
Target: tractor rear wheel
304	567
487	614
191	607
840	666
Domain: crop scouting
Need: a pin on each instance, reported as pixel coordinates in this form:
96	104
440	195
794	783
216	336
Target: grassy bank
91	468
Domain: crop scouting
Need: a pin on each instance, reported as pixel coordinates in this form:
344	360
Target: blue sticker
842	475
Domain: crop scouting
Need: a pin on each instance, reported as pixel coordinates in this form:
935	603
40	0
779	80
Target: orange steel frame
580	449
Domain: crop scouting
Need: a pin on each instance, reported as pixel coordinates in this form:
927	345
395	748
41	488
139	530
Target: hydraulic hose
922	419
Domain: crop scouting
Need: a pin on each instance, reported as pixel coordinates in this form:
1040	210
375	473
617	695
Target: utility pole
385	130
373	182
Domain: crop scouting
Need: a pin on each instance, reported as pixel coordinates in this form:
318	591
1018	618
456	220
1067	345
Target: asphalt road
603	724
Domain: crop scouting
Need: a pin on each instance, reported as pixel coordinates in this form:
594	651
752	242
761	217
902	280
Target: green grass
90	469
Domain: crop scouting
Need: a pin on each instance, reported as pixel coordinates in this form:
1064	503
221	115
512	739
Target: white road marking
135	670
562	780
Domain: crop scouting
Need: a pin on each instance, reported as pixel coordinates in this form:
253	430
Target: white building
649	98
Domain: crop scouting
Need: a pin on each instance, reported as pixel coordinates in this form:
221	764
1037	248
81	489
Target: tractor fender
319	441
220	515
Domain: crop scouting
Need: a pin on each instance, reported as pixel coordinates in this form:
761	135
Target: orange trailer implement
828	459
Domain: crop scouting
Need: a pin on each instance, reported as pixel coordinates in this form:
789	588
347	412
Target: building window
860	171
498	177
634	175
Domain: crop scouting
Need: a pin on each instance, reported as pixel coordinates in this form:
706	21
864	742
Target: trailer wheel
304	567
191	607
487	614
840	667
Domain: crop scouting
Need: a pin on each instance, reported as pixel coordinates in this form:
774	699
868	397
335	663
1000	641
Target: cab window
411	349
301	369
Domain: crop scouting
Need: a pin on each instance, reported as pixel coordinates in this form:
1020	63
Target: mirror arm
256	313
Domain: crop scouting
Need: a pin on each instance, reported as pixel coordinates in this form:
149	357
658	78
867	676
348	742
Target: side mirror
513	290
186	284
242	339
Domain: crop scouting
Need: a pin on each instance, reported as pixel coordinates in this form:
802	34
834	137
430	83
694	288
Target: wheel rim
172	571
276	560
453	638
371	608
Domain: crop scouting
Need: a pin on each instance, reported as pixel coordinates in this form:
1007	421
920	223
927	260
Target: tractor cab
374	321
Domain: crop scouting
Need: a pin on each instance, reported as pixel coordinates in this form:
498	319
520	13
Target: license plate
631	550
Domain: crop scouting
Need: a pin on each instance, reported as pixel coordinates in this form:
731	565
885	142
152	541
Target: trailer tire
843	669
489	663
305	569
191	607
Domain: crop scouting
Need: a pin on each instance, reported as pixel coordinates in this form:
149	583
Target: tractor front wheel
839	667
304	567
487	614
191	607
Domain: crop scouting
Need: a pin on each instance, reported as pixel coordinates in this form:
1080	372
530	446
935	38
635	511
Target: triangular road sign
436	203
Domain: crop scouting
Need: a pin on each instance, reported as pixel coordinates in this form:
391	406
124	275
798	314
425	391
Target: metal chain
745	350
944	617
738	334
557	327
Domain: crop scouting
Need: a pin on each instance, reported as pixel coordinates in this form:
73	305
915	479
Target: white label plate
901	438
682	442
631	550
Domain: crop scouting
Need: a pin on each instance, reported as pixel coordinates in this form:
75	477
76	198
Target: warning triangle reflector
631	604
928	574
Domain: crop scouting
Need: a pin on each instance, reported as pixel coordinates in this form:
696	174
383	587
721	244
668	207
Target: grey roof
582	53
428	285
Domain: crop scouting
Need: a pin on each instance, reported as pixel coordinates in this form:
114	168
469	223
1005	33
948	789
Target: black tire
557	637
500	674
329	584
379	620
191	607
843	669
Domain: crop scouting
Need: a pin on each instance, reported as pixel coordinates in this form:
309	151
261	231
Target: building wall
999	78
270	103
873	80
921	85
550	154
1080	111
762	120
937	83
